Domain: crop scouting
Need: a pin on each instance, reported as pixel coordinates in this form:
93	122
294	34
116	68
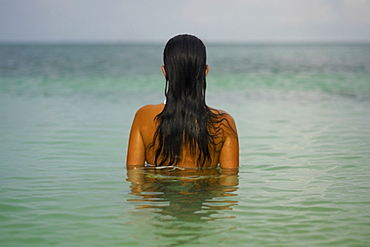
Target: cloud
254	20
357	11
293	13
212	20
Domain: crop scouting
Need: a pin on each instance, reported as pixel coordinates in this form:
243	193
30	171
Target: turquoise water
302	111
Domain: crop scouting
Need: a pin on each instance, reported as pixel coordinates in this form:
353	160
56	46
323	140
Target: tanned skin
140	150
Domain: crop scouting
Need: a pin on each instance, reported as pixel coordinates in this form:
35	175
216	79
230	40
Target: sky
159	20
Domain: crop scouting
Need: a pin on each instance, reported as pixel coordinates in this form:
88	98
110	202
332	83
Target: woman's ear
207	69
163	71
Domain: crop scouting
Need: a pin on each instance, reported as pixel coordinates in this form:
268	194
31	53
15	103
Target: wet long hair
186	121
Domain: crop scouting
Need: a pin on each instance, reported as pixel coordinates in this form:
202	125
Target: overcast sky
158	20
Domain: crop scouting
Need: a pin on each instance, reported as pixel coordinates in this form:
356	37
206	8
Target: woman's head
185	67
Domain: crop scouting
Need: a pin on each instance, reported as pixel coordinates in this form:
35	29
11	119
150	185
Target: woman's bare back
141	150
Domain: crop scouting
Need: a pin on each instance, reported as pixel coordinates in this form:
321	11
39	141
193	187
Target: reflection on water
189	195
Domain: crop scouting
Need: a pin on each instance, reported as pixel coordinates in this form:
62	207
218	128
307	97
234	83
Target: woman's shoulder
225	118
221	113
148	110
145	116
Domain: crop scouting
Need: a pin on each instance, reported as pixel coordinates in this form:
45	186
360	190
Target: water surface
302	112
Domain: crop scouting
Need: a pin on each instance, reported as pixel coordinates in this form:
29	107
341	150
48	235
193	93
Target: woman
183	132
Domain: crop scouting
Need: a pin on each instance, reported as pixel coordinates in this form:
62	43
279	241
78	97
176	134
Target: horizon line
151	42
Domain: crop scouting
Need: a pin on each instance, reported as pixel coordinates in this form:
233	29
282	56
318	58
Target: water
302	111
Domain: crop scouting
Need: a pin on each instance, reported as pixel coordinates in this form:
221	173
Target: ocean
303	116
